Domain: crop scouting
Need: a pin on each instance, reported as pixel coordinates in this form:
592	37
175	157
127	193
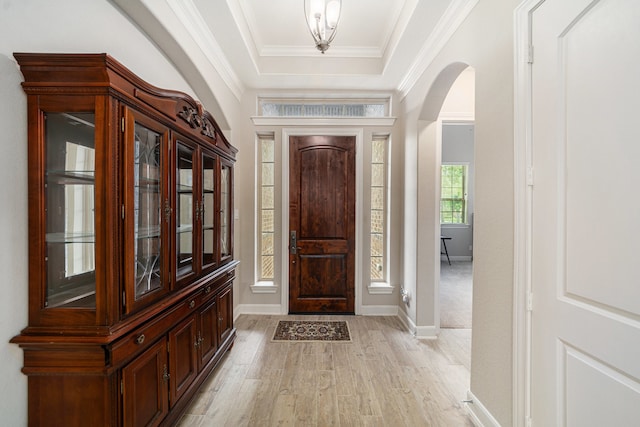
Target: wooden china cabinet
130	245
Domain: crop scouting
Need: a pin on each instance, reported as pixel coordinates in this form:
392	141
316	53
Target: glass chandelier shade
322	19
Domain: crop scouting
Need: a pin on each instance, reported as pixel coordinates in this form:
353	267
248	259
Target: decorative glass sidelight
378	211
267	209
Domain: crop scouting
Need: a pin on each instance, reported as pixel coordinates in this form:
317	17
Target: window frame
380	285
464	199
323	107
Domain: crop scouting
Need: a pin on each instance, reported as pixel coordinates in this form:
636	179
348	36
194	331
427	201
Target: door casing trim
358	133
523	205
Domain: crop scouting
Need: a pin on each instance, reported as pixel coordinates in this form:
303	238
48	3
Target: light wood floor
384	377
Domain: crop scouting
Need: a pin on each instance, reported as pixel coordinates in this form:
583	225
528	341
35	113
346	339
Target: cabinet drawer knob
140	339
207	289
192	303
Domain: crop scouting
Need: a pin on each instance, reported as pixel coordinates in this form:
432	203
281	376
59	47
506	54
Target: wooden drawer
209	289
138	340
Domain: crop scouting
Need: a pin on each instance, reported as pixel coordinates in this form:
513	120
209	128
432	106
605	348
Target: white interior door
585	261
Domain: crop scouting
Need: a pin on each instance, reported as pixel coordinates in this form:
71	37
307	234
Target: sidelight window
378	210
266	211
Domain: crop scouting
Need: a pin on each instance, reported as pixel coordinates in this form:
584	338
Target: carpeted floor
456	289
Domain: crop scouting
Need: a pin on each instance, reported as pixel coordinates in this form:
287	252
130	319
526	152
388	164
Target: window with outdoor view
453	195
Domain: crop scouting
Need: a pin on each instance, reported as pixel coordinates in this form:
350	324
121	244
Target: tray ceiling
380	44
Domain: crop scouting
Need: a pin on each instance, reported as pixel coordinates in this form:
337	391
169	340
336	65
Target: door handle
293	243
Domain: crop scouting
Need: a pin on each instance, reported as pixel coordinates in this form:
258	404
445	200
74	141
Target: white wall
44	26
485	42
460	103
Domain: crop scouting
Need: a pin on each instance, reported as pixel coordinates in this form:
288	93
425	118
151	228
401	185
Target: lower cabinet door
183	358
144	387
208	346
225	312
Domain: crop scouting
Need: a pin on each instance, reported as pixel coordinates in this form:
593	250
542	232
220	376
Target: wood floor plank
284	410
383	377
328	413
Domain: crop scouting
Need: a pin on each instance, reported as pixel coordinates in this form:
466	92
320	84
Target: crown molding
399	26
452	18
187	13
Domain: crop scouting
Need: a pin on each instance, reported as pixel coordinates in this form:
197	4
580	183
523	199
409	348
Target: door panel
145	397
147	208
183	366
585	228
207	211
208	335
225	313
322	224
186	203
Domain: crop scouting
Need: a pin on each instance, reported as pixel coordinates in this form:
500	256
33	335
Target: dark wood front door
322	224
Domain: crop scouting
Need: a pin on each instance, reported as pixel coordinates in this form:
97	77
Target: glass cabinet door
208	211
147	213
185	204
226	224
70	215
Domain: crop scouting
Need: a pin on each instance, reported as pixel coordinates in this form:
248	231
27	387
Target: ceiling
265	44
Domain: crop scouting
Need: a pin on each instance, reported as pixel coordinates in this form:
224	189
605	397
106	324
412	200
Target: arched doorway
428	203
457	191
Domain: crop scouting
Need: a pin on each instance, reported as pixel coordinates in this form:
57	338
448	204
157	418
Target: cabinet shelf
182	189
64	177
147	182
79	297
184	229
70	238
148	233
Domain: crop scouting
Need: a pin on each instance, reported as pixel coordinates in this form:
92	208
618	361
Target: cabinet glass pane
225	204
147	198
208	189
70	215
184	209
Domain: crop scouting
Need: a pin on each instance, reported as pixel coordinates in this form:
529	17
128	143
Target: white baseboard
424	332
257	309
479	414
379	310
407	322
271	309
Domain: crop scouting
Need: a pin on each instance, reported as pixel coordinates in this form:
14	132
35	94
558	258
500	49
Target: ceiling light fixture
322	19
